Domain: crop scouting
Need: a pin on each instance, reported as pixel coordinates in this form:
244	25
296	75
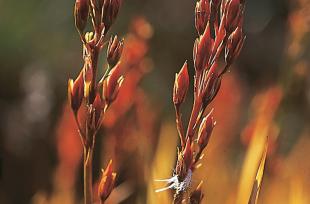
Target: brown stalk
179	124
88	185
86	91
219	26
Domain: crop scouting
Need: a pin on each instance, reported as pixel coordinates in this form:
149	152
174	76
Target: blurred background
267	89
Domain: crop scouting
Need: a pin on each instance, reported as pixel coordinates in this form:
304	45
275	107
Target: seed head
181	85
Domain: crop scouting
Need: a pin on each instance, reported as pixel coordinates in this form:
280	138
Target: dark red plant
88	95
219	26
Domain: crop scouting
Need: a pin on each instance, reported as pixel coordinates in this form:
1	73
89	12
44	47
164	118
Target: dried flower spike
107	182
102	14
219	25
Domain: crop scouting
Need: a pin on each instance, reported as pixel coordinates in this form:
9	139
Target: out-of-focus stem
88	160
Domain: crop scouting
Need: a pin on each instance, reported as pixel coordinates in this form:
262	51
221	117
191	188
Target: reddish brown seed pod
212	86
110	10
205	130
202	49
81	12
234	45
114	51
76	92
181	85
112	84
202	15
106	183
233	11
98	106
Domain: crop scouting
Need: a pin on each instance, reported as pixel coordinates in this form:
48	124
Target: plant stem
179	124
193	119
88	184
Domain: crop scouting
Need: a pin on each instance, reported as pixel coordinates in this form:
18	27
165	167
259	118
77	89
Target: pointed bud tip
81	12
112	84
107	182
114	51
75	92
205	130
181	85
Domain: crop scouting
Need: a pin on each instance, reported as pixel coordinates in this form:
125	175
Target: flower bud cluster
102	12
87	94
96	95
219	26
